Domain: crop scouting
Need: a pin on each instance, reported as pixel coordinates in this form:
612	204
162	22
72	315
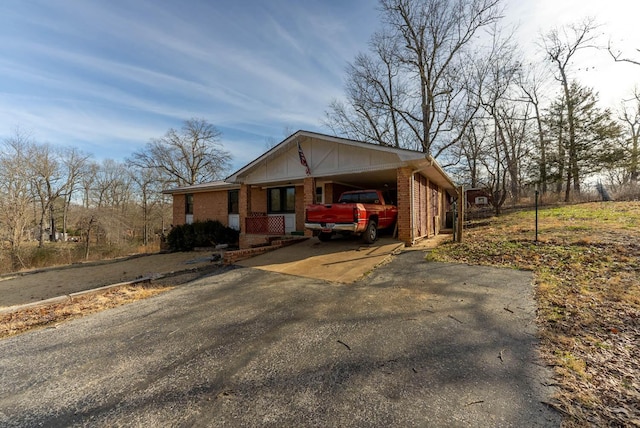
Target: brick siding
404	205
179	202
211	206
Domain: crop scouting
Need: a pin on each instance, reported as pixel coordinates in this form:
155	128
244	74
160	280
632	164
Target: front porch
262	229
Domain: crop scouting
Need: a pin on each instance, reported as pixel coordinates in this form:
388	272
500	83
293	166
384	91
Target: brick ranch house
267	197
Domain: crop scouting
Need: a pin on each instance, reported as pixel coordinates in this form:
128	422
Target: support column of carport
405	216
309	197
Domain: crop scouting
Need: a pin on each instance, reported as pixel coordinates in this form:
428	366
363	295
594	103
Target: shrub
200	234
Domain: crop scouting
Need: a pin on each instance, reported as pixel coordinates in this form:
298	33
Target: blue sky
108	75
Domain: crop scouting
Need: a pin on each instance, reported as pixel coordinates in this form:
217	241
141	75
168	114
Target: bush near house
208	233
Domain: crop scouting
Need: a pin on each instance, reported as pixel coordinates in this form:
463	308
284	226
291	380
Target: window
188	208
281	200
319	195
363	198
234	201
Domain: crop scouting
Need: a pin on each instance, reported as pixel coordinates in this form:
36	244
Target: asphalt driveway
411	344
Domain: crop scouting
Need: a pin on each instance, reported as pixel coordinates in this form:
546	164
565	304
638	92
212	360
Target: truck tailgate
330	213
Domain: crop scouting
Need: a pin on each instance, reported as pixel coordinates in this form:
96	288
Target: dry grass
53	314
587	269
65	253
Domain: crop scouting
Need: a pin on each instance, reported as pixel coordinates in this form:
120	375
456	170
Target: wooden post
461	208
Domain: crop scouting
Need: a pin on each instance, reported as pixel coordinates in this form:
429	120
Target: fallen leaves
587	270
50	315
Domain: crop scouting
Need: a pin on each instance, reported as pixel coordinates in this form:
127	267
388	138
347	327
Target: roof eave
204	187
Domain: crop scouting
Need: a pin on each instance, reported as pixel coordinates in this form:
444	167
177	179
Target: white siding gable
324	158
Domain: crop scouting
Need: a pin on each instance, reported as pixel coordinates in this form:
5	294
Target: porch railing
263	224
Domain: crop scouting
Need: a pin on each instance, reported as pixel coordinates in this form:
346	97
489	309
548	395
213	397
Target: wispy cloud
85	71
115	73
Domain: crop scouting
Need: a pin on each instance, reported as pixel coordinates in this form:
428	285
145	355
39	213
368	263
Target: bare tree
561	45
617	55
87	183
106	215
630	116
187	156
496	176
15	192
532	83
498	76
473	150
433	35
411	90
375	97
47	185
149	190
111	194
513	120
75	164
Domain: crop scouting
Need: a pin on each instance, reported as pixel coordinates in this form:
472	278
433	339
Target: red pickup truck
360	212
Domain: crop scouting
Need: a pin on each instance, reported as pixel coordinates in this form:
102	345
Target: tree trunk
572	134
52	224
561	158
567	191
633	167
88	238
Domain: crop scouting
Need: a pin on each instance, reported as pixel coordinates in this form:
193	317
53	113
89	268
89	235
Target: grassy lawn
587	277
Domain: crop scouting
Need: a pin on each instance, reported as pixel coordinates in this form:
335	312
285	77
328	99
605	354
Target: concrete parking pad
339	260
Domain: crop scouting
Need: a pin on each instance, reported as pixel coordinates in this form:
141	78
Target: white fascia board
203	187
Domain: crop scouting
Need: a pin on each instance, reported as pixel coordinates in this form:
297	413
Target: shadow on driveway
411	344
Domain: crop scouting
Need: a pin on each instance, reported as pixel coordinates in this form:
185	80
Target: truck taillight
356	214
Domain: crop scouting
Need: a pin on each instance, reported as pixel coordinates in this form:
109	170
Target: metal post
461	207
537	193
455	221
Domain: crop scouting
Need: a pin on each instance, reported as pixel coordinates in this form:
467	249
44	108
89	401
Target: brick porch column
309	196
404	205
244	198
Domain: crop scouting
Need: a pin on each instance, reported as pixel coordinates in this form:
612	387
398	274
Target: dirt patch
34	286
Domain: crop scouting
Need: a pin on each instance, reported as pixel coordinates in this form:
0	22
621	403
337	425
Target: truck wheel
371	233
324	236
